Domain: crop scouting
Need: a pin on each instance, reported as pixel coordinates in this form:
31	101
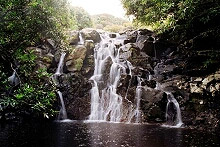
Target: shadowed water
79	134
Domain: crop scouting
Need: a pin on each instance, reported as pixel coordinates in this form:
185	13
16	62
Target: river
81	134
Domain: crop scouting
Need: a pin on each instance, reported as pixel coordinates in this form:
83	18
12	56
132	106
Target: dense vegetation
83	19
26	23
193	23
110	23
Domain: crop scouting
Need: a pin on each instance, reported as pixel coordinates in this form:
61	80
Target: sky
113	7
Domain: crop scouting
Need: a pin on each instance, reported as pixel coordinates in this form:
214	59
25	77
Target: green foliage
31	98
110	23
82	17
79	64
25	23
212	60
171	14
27	61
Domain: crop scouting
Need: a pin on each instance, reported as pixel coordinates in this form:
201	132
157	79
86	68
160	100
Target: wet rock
145	32
91	34
76	93
131	37
106	71
195	89
151	83
73	37
74	61
146	44
153	104
112	35
208	79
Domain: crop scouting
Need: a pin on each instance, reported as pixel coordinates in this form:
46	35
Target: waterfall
106	104
81	40
59	71
138	99
173	112
13	79
170	115
62	114
60	65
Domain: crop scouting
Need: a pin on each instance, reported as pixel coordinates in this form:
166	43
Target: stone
131	37
217	86
112	35
198	79
217	76
51	43
211	89
208	79
195	89
73	37
91	34
74	61
146	44
145	32
89	44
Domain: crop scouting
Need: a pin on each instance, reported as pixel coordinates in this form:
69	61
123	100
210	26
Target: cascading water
81	40
59	71
13	79
106	104
60	65
173	112
137	112
174	119
138	98
62	114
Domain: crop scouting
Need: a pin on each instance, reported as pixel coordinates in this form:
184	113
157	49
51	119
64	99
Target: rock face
161	66
74	60
74	83
73	37
91	34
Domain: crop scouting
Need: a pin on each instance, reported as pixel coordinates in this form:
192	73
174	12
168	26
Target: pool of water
81	134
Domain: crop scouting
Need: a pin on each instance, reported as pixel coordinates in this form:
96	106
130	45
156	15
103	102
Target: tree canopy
176	15
83	19
110	23
25	23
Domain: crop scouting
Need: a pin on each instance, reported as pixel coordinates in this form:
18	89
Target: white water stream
106	103
177	119
81	40
59	71
60	65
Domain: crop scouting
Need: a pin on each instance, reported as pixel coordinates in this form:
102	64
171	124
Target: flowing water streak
60	65
136	113
81	40
178	119
59	71
106	104
62	114
138	99
13	79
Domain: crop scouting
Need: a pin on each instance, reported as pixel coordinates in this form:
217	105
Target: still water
79	134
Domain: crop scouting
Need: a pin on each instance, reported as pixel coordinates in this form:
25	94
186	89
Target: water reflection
79	134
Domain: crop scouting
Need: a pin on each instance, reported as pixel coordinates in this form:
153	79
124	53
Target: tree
110	23
26	23
82	17
172	14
